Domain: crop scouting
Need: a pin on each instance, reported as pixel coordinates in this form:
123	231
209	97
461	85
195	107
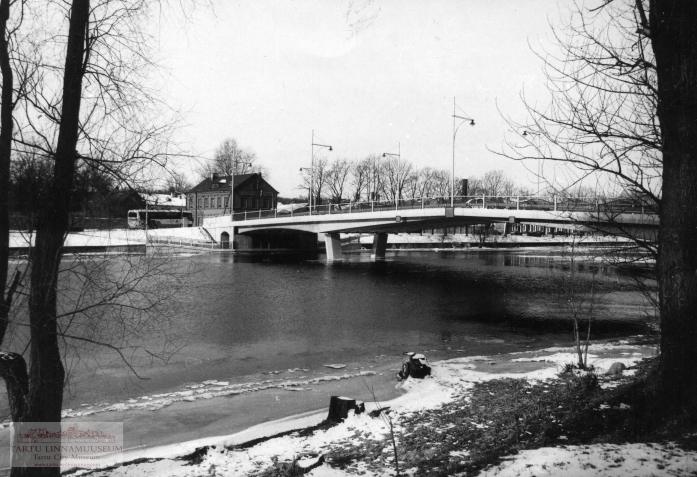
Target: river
235	325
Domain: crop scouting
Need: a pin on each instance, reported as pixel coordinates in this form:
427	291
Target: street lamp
456	127
539	161
390	154
312	166
309	187
235	162
399	152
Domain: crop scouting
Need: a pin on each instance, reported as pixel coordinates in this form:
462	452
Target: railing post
517	203
245	215
483	201
422	202
555	202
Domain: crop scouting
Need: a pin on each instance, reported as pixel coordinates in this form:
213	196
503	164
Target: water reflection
242	318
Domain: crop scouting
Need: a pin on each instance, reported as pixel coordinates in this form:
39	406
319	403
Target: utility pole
455	129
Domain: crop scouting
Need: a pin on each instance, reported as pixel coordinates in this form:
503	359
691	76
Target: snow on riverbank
451	378
599	460
473	239
209	389
114	237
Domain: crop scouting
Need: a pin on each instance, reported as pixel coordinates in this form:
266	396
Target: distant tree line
95	192
229	159
377	177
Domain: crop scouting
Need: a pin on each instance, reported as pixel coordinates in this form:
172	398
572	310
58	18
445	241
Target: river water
234	324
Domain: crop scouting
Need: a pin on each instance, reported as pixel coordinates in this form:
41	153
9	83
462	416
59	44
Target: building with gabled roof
211	197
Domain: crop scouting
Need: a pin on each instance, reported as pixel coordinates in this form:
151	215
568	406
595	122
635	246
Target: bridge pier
332	243
379	246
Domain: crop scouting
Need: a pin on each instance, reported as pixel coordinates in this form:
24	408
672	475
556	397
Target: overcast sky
367	76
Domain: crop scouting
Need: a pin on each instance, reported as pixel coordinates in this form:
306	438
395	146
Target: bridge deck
405	219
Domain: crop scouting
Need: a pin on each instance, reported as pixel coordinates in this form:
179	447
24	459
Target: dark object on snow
340	406
616	369
307	464
360	407
379	411
415	366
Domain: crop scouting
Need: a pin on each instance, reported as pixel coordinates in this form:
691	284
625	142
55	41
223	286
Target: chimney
464	183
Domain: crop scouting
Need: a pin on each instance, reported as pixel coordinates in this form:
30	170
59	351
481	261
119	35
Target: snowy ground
115	237
648	459
450	239
450	378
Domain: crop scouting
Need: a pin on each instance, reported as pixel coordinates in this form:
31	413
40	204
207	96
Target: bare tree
396	173
229	159
425	185
336	176
360	175
623	100
475	186
495	183
672	29
314	180
411	186
602	114
377	177
7	103
441	183
177	182
81	104
580	298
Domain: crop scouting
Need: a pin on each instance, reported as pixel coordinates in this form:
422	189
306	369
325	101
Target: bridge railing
600	205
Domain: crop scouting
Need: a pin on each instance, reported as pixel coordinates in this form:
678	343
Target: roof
164	199
220	181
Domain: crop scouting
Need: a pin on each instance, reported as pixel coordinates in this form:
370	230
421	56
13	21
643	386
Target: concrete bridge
300	229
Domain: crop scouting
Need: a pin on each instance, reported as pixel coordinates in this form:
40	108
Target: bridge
299	229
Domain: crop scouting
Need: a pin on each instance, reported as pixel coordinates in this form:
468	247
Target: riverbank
117	241
419	241
422	418
135	240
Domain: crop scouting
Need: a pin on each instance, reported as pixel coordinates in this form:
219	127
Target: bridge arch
224	240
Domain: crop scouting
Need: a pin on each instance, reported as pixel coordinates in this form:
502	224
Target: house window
245	203
205	202
227	201
220	202
200	203
254	203
267	203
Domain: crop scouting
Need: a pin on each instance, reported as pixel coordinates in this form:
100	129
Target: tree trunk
674	36
5	152
46	374
339	407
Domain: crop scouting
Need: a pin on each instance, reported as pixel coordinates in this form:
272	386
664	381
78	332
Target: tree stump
339	407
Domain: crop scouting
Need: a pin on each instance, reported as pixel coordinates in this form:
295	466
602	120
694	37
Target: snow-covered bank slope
451	379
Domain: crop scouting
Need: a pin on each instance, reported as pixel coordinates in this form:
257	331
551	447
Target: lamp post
235	162
312	166
456	127
539	161
398	154
309	187
391	154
